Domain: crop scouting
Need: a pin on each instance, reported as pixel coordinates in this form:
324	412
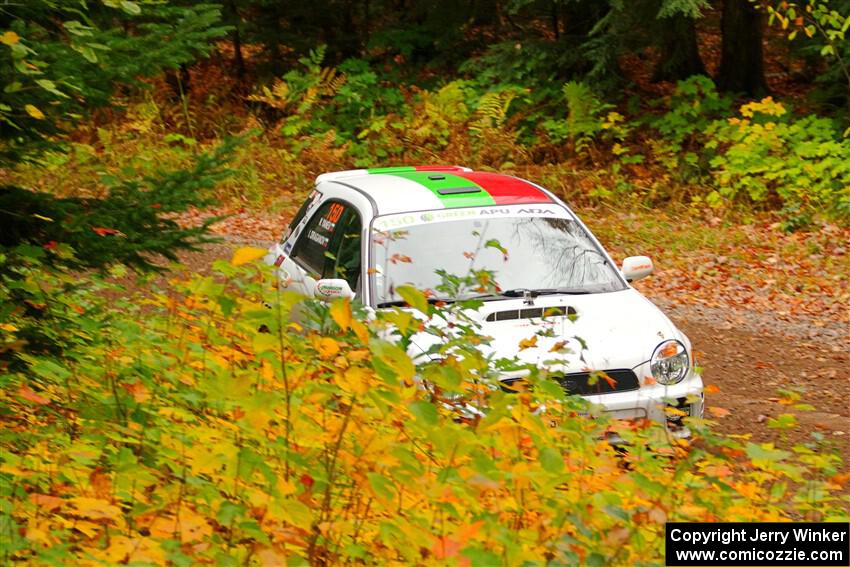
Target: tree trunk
580	17
238	59
742	56
556	28
680	57
178	79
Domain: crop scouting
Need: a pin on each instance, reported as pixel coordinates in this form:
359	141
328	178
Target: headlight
669	362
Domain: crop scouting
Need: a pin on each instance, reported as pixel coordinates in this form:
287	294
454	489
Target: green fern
584	114
492	110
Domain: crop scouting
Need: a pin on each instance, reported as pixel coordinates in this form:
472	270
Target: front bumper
651	401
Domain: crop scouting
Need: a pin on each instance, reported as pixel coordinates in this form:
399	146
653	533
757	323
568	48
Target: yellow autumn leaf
341	313
360	330
8	327
258	418
117	552
327	347
34	112
528	343
147	551
10	38
266	370
353	381
285	487
90	529
297	513
190	526
675	411
38	531
95	508
246	255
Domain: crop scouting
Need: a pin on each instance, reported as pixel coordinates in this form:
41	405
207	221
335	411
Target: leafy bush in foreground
180	433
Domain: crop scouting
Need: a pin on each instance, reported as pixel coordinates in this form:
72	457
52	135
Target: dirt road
751	357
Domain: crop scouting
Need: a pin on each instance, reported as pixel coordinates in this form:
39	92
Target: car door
323	248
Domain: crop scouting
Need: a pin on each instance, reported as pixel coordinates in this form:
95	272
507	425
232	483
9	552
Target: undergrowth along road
766	311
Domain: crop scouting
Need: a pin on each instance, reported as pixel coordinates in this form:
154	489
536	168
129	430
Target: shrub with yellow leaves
181	434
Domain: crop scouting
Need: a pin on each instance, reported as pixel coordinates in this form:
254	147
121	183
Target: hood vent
531	313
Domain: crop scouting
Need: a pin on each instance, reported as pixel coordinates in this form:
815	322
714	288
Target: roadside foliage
195	426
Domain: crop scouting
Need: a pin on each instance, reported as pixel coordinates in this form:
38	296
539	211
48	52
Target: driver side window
329	246
346	263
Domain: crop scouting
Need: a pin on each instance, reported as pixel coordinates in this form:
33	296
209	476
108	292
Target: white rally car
363	233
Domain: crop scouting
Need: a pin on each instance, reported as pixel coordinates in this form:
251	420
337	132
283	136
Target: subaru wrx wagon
364	233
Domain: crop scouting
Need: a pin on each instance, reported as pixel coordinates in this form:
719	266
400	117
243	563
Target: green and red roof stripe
507	190
493	189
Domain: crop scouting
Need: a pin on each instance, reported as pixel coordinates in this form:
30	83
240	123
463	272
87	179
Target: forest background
162	428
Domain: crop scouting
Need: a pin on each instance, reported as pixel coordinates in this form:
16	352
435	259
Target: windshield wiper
433	300
501	296
484	297
403	303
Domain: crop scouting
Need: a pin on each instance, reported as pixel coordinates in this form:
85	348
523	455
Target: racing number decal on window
334	213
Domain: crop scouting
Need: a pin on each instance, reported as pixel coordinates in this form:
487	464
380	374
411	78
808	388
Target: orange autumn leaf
26	393
528	343
271	557
750	490
138	390
711	389
611	382
670	349
400	259
101	483
47	502
102	231
718	412
840	479
446	547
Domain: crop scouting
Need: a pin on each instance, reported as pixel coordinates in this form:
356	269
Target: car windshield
539	254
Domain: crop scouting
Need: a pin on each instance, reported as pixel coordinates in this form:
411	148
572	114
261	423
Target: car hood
609	331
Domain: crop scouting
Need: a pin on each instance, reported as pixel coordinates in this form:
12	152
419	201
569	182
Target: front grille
579	382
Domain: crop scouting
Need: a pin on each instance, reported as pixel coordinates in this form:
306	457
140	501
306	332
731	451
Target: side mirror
332	288
637	267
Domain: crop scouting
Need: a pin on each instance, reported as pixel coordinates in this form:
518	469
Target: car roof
423	188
